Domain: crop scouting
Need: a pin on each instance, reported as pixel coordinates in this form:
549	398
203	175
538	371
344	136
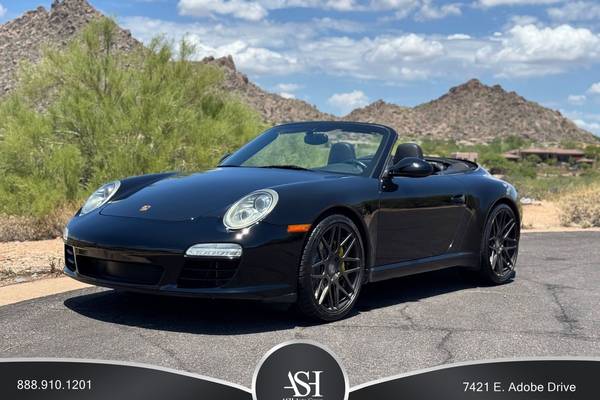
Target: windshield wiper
284	166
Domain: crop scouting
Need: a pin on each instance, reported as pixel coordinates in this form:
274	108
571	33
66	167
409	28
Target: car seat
341	152
407	150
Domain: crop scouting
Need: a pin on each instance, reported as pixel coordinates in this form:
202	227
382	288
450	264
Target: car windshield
344	148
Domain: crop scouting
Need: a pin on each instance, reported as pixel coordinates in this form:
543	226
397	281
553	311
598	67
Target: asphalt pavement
552	308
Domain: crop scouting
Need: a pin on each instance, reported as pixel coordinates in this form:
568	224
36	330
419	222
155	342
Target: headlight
100	197
250	209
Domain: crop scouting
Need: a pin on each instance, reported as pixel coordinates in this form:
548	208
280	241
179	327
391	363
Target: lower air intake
198	273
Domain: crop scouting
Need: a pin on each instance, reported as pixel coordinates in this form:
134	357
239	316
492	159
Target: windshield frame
389	136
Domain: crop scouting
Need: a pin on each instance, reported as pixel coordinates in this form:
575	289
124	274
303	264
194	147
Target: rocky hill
274	108
477	113
470	112
24	38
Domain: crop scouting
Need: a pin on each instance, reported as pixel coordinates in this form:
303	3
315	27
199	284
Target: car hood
185	197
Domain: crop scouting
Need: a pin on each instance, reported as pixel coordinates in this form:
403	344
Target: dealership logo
300	370
305	384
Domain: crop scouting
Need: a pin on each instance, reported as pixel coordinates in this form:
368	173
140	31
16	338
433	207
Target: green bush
109	114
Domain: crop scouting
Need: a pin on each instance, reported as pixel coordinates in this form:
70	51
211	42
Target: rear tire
331	270
500	245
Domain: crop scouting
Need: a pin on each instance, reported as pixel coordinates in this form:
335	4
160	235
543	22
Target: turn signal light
298	228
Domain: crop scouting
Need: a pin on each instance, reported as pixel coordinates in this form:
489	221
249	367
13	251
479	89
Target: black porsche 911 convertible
306	213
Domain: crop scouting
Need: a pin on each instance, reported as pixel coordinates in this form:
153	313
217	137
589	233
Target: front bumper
268	293
267	269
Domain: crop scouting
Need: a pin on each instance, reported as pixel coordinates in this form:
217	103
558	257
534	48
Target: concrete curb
40	288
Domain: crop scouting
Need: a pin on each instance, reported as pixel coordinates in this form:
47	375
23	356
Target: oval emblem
145	207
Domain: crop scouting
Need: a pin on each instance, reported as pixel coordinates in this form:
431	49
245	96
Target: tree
108	114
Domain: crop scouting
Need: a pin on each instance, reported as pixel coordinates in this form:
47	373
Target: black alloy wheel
331	270
500	245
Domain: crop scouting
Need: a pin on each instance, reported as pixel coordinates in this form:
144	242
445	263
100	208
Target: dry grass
581	208
544	215
16	228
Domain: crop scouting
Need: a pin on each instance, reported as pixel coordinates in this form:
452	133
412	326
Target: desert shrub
581	207
91	113
495	163
593	152
20	228
534	159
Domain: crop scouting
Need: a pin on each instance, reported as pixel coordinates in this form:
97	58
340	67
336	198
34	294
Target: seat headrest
341	152
407	150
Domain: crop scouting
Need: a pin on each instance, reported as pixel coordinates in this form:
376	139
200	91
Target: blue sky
340	54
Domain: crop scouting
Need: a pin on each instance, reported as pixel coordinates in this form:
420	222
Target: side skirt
412	267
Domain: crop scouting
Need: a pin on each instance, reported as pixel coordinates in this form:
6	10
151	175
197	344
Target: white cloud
249	10
402	57
588	121
287	95
263	61
422	10
531	50
430	11
337	24
400	6
595	88
576	11
346	102
2	11
253	55
284	48
496	3
286	90
403	48
590	126
256	10
341	5
458	36
288	87
576	99
522	20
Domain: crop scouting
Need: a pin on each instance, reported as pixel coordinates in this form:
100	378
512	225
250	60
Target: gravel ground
401	325
25	261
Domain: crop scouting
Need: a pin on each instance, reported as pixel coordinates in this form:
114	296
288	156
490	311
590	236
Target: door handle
458	199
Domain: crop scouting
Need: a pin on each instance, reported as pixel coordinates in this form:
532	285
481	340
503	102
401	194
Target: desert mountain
471	112
274	108
24	38
475	112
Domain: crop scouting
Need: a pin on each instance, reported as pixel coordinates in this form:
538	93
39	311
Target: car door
418	217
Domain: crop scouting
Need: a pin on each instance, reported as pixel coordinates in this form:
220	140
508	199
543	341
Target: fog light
220	250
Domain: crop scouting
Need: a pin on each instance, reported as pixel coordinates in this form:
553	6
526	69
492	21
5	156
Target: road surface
552	308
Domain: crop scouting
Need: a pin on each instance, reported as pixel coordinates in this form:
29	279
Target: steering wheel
358	163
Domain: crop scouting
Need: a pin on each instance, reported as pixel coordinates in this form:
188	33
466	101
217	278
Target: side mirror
223	158
411	167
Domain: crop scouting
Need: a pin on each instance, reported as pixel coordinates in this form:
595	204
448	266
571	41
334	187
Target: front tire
500	245
331	270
